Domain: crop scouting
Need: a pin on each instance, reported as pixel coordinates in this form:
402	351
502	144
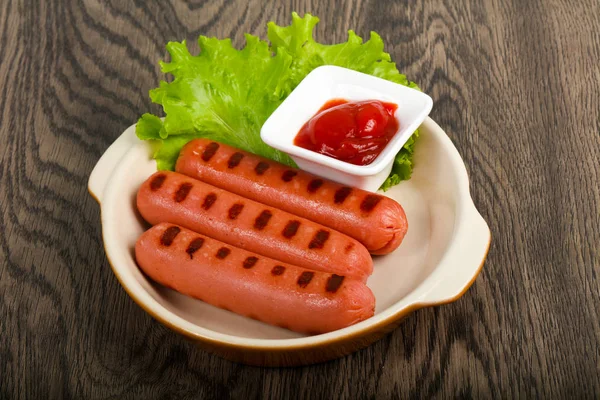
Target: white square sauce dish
326	83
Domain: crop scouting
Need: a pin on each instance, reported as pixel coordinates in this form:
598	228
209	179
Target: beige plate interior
444	249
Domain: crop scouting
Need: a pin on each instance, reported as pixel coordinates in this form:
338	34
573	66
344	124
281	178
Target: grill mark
318	241
235	210
210	150
222	253
288	175
290	229
305	279
194	246
369	202
157	182
341	194
234	160
261	167
349	247
314	185
169	235
249	262
262	220
209	200
278	270
183	191
334	282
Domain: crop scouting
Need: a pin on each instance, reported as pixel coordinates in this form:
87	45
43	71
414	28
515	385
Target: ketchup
355	132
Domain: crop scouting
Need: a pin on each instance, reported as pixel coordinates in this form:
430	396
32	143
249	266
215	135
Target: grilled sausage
236	220
376	221
250	284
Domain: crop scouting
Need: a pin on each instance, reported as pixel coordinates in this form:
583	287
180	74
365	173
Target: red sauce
355	132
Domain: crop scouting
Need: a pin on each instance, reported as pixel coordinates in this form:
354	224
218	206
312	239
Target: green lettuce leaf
227	94
297	40
403	164
223	93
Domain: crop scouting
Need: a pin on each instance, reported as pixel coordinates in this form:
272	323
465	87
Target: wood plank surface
516	85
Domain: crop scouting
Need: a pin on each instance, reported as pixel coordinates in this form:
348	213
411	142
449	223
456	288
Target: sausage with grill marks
250	284
230	218
376	221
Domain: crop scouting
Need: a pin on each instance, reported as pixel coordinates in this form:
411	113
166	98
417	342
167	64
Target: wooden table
515	85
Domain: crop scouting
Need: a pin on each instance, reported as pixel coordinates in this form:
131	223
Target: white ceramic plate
442	253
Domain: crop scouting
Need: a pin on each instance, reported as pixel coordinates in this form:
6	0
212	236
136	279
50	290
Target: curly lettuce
227	94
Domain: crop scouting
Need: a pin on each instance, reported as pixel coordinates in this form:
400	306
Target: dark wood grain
515	85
